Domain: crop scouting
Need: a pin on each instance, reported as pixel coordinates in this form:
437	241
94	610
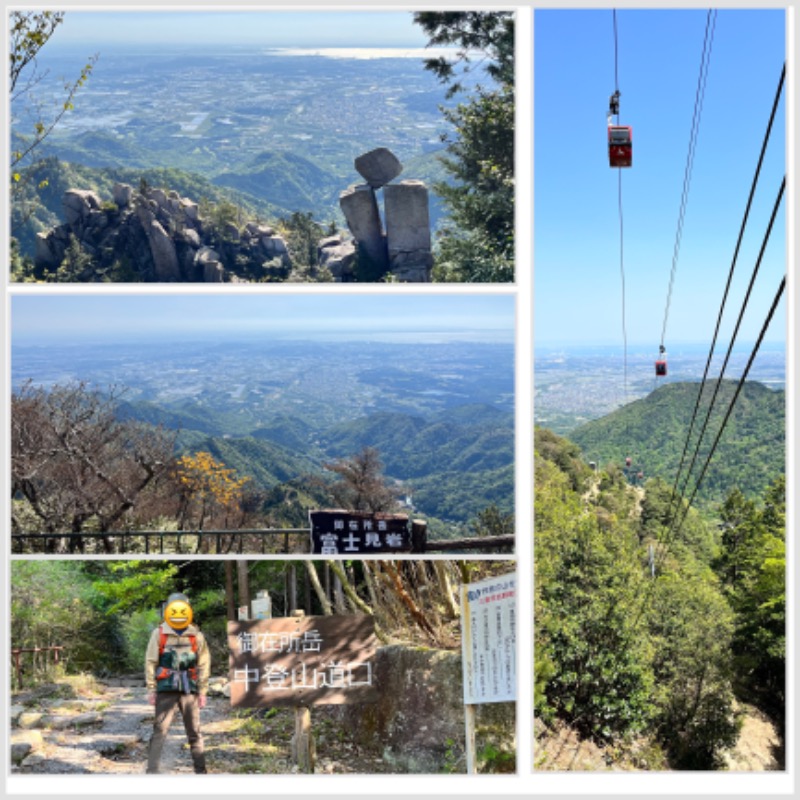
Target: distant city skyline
75	319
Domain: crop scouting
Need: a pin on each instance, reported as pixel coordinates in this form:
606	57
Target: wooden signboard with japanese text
302	661
350	533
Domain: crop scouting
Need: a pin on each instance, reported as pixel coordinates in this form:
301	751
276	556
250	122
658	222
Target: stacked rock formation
404	249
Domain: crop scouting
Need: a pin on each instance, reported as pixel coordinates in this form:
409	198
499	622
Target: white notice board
489	639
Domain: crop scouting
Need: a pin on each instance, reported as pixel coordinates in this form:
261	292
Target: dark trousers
166	704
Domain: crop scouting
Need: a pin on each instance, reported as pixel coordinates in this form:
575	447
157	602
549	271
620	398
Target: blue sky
99	30
66	319
578	293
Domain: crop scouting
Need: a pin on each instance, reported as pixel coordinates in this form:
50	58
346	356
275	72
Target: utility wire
764	243
622	276
687	176
739	386
729	351
616	51
745	217
621	229
687	506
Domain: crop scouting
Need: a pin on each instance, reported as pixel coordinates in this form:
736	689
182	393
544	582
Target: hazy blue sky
577	257
98	30
75	318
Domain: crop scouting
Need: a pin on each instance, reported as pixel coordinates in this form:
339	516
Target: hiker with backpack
177	667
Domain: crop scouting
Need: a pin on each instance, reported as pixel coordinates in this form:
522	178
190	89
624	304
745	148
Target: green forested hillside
466	439
454	463
652	432
648	654
265	463
287	180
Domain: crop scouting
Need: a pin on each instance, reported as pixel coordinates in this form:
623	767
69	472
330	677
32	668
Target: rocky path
107	731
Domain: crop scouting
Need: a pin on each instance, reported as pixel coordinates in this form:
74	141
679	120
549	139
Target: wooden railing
241	542
269	540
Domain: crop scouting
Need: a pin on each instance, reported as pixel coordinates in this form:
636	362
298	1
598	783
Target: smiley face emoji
178	613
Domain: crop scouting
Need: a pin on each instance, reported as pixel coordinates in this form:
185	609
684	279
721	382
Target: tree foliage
361	485
620	652
208	492
74	466
752	568
29	33
478	245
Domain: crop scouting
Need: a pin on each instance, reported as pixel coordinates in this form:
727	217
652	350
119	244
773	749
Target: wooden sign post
300	662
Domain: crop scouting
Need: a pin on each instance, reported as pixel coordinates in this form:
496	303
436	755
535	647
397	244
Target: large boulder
162	248
337	257
378	167
213	272
48	254
122	194
360	208
408	230
205	255
77	205
274	246
420	708
23	743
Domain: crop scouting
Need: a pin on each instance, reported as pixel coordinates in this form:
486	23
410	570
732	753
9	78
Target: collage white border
525	782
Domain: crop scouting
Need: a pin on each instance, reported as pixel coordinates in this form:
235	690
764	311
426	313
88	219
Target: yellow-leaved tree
209	492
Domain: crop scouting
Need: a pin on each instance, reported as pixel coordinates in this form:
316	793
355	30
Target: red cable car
620	145
661	369
628	461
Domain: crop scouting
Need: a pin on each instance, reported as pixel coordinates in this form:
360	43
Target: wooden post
419	536
302	743
17	663
469	721
291	588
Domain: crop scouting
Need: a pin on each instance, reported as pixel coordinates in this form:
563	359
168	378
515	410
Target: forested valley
659	627
86	461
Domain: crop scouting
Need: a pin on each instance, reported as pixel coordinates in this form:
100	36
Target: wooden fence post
419	536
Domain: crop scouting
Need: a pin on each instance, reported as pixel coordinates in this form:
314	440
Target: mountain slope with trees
649	655
652	432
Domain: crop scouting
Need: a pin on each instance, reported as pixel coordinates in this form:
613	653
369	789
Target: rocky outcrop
404	249
419	713
149	234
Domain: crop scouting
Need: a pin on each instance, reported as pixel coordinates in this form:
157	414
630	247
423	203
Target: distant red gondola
620	145
628	461
661	369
